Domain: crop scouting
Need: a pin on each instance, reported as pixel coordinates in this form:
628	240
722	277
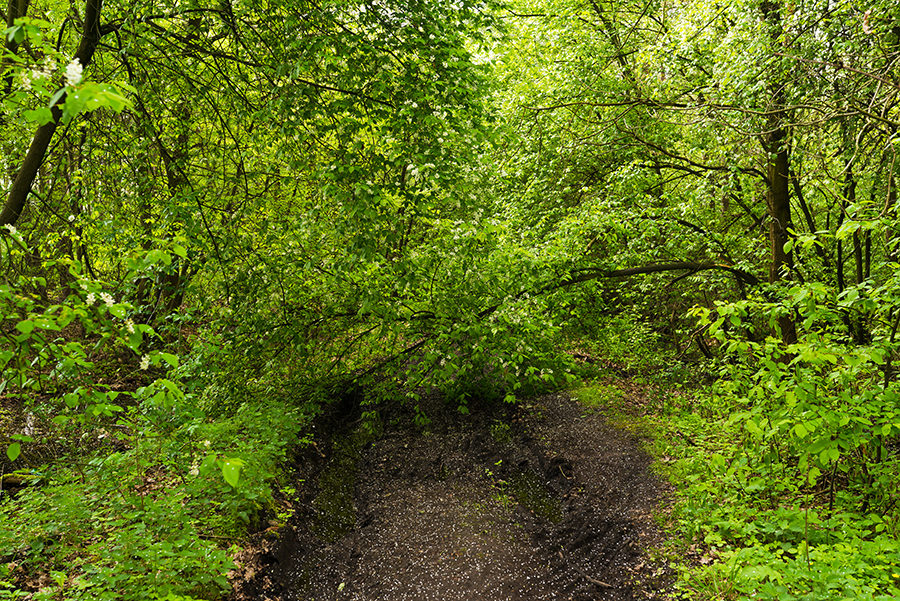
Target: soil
542	501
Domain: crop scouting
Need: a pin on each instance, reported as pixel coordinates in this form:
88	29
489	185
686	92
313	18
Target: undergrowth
753	519
155	519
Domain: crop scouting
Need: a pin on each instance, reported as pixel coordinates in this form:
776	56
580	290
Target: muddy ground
544	501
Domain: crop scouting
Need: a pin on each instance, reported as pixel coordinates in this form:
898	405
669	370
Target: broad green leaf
41	115
847	229
13	451
231	470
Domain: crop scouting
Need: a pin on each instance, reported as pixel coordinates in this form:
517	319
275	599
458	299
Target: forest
228	225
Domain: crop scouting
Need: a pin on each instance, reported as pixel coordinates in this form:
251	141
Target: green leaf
134	341
26	326
847	229
231	470
14	450
15	34
813	475
56	97
157	256
41	115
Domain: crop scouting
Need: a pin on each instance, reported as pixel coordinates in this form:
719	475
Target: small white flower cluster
129	325
145	362
108	299
90	299
14	233
73	72
39	74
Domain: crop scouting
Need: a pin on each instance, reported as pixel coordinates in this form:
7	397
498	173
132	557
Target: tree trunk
21	187
777	147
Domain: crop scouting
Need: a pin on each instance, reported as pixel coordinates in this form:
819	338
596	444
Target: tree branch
588	274
21	187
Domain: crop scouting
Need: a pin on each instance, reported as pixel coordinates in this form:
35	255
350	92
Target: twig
599	583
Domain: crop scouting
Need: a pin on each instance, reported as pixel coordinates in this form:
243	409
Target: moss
529	490
334	505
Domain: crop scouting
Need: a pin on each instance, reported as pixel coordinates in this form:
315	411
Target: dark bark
853	320
585	275
609	27
839	267
810	221
777	147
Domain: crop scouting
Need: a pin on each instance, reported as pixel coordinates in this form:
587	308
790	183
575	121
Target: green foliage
288	201
147	519
40	89
753	523
145	515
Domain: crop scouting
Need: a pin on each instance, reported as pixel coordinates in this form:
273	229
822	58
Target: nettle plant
804	493
825	404
169	478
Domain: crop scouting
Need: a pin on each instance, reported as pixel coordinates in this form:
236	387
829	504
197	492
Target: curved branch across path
577	276
584	275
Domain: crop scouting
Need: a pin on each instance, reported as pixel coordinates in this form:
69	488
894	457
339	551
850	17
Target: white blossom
145	362
91	299
73	72
108	299
35	75
129	325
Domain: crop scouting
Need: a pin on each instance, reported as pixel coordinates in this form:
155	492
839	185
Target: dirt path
545	503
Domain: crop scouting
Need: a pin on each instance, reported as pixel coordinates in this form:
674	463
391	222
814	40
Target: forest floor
542	501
